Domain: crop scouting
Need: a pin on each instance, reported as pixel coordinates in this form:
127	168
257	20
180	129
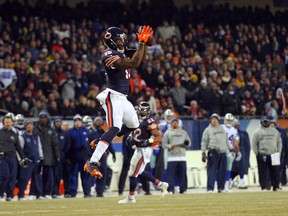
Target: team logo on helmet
107	35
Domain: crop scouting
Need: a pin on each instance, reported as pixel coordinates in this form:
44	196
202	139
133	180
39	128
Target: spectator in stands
195	111
230	101
178	94
216	99
248	106
149	97
136	81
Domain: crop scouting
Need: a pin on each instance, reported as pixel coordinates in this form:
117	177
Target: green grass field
256	203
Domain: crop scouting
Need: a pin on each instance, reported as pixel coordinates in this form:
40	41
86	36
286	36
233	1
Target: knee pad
109	135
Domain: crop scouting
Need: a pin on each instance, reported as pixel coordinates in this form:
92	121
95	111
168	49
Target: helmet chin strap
121	51
228	125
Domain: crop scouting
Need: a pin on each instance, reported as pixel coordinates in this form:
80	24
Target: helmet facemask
87	122
112	35
168	115
143	110
19	121
229	120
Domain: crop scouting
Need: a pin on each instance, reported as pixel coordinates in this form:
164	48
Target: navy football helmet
111	35
144	110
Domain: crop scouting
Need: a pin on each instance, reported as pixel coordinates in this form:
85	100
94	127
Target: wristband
141	43
151	140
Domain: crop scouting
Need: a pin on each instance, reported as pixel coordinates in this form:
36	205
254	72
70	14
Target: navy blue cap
57	118
43	113
26	122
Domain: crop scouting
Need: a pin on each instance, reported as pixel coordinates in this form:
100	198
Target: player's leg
130	118
23	179
163	186
182	167
114	115
212	167
230	159
221	172
12	179
73	179
36	181
137	165
144	182
171	169
4	176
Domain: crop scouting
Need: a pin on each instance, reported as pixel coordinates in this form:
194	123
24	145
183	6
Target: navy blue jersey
118	79
142	133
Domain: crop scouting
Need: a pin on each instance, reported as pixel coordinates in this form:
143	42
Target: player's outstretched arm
157	135
135	61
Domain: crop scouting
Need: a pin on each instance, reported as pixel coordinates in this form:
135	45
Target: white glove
238	156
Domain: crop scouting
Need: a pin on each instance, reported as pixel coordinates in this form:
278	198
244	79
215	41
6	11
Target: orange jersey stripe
138	166
109	111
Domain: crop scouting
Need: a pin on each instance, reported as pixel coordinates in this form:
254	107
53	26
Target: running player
144	137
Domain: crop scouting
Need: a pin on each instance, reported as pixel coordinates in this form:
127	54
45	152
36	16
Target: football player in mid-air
120	114
233	138
143	138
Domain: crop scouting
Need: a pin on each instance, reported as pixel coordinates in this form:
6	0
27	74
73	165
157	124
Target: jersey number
150	120
231	138
136	134
108	53
127	74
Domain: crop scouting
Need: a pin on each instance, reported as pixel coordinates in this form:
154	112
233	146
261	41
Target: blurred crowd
205	60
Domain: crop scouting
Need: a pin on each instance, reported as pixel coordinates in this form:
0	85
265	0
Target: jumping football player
120	114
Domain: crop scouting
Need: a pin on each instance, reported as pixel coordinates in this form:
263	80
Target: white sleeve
22	141
40	148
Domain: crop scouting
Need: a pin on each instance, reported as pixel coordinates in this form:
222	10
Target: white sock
159	184
130	197
226	184
99	151
215	185
241	181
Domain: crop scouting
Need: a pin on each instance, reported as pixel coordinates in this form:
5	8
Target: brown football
150	41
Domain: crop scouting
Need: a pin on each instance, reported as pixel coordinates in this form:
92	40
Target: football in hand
150	41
